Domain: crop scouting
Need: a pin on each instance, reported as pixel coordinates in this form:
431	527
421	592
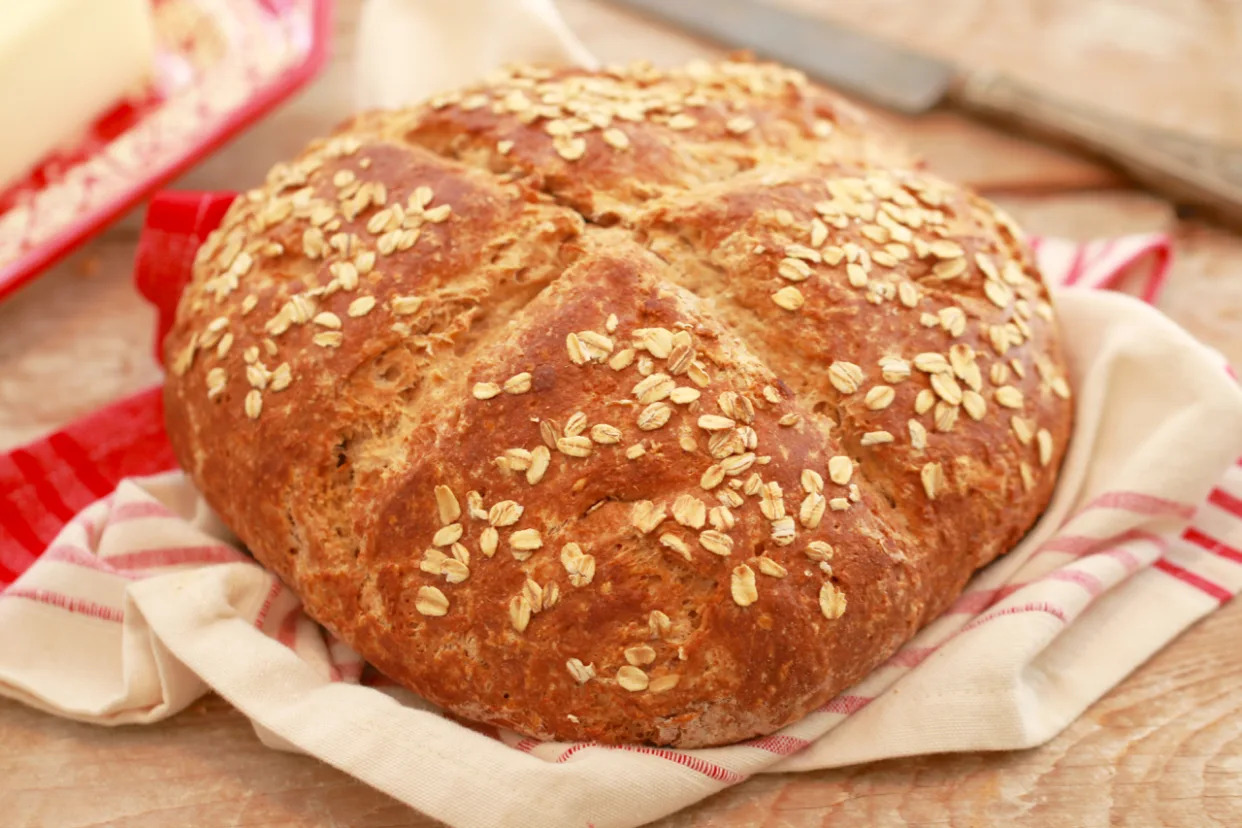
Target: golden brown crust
630	406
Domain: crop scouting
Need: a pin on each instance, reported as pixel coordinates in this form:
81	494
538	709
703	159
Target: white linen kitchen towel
407	50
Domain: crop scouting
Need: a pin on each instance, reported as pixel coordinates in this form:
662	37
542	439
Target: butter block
64	63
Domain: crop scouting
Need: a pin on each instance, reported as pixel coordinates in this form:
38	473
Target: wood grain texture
1163	748
1170	63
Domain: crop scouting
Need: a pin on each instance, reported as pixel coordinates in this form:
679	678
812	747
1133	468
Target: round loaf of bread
631	405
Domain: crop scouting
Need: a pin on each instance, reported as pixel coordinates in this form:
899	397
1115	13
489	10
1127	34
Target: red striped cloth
143	603
44	484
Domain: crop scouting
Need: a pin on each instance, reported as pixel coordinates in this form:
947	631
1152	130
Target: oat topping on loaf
631	405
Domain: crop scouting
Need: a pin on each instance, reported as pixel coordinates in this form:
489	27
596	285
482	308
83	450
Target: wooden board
1164	748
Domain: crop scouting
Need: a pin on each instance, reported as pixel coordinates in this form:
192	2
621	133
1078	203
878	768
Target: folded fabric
410	49
143	602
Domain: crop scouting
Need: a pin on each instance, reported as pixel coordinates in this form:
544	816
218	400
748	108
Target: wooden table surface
1164	748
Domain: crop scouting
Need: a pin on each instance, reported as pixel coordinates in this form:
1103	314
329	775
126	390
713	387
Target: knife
1188	170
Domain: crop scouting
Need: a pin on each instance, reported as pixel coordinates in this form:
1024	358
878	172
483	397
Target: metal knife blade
888	75
1190	170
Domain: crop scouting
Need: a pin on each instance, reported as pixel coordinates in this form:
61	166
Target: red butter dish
219	66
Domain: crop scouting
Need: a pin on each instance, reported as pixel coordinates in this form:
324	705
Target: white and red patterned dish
220	65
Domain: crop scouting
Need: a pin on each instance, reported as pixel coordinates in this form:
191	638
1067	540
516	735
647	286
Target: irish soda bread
634	406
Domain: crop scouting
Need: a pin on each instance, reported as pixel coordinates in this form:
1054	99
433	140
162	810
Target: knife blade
892	77
1189	170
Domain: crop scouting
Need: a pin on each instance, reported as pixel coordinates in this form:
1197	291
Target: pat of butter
64	63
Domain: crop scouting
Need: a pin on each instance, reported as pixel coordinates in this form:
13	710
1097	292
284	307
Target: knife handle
1189	170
